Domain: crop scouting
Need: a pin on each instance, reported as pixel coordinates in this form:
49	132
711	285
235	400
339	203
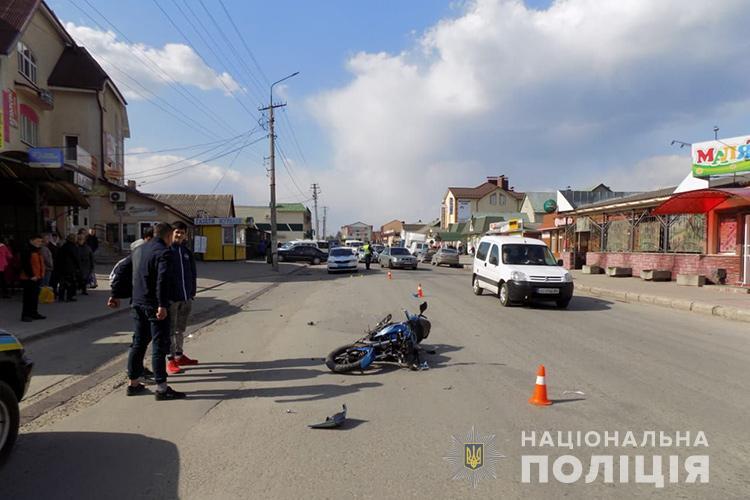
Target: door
746	253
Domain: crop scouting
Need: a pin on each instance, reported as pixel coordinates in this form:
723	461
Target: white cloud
177	62
572	95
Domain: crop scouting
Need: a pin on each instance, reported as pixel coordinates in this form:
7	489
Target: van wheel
476	287
280	258
504	295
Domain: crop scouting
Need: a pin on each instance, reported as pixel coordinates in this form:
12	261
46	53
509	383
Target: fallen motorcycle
387	341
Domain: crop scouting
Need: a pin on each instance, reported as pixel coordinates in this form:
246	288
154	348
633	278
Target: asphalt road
242	433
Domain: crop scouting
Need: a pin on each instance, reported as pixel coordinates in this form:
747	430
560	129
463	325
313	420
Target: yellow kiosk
220	238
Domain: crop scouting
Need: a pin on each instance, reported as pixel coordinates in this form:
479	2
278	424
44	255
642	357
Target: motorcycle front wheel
345	358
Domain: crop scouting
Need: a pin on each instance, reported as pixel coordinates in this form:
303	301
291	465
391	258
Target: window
228	234
113	233
26	62
528	255
29	125
482	250
129	233
450	205
493	199
501	199
494	256
71	145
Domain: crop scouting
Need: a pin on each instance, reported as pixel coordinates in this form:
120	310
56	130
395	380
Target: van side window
494	256
482	250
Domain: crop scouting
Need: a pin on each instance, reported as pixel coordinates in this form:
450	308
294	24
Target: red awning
700	201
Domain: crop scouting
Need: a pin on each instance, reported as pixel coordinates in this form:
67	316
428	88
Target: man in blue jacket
184	293
153	282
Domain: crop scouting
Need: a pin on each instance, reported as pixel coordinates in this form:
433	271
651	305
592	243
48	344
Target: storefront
220	238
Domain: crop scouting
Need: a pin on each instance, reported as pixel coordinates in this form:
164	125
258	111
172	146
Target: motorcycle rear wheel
340	360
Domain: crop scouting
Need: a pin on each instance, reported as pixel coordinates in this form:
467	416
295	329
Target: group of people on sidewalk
160	279
45	260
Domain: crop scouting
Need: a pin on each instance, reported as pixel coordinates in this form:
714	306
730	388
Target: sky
396	101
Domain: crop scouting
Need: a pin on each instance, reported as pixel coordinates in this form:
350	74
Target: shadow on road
77	465
579	303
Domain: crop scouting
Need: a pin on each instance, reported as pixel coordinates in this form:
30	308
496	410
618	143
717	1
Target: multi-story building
493	196
390	232
63	127
357	231
293	220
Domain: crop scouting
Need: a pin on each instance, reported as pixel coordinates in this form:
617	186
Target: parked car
15	375
520	269
302	253
397	257
446	256
426	254
342	259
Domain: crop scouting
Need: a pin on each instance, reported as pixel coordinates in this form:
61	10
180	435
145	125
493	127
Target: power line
151	171
231	163
244	43
180	170
180	88
289	172
167	150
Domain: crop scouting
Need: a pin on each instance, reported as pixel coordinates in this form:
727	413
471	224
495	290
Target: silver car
446	256
397	257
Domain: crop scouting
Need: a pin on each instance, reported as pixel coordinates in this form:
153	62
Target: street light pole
272	137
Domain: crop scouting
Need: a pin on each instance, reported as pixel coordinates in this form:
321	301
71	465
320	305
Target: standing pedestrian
6	257
368	254
184	293
85	264
153	280
53	247
49	263
93	243
66	269
32	273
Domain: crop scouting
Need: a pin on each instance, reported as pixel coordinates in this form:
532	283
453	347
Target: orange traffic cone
420	293
539	397
390	276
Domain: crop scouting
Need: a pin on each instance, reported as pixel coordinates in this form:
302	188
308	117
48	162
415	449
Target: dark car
303	253
397	257
15	375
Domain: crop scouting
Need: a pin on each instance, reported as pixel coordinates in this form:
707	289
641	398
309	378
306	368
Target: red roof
480	191
14	15
700	201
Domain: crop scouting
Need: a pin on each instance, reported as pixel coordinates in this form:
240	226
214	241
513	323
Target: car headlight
567	277
518	276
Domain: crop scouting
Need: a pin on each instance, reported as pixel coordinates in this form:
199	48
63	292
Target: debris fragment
580	393
333	421
424	366
448	388
290	411
311	323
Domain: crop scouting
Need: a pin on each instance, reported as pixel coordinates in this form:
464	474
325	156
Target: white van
520	269
418	247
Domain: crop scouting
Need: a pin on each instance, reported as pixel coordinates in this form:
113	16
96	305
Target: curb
35	337
726	312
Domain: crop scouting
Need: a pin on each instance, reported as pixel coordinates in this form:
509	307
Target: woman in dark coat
67	269
85	264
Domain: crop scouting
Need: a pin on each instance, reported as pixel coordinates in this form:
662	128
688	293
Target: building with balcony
62	127
493	196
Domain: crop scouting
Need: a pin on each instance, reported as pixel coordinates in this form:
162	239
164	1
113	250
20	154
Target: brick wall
568	259
677	263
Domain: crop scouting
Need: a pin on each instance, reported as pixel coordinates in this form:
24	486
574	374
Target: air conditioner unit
117	196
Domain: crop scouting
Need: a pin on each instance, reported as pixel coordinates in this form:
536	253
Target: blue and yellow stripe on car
9	343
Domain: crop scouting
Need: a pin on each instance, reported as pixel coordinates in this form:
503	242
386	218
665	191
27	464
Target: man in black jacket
153	280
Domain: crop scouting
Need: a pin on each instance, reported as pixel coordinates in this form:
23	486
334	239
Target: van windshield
528	255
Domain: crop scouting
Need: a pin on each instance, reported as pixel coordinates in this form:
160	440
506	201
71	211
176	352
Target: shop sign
141	210
550	206
720	157
46	157
464	210
563	221
218	221
83	181
583	225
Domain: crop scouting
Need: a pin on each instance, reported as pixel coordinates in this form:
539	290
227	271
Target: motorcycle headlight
518	276
567	277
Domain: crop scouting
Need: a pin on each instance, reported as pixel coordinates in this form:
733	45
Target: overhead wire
160	73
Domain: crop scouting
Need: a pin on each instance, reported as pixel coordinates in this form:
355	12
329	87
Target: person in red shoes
184	289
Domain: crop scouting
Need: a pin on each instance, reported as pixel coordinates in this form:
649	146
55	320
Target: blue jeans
149	329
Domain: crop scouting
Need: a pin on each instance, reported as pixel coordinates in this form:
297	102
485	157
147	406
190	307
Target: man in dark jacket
153	281
85	264
66	268
184	293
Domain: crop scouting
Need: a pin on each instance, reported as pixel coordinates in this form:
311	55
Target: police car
15	375
519	269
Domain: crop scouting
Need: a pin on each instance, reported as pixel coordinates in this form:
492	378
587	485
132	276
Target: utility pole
316	191
272	137
325	216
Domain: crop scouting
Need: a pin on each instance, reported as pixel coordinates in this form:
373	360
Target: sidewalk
710	299
64	316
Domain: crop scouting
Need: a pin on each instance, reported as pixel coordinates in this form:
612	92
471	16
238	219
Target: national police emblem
473	457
